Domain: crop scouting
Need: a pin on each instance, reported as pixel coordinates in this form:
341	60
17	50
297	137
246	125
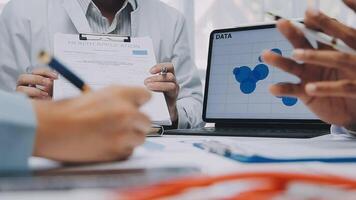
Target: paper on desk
294	148
101	63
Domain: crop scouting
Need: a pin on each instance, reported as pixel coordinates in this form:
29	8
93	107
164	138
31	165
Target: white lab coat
28	26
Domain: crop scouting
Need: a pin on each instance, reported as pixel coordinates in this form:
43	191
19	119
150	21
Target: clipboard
155	131
103	37
138	59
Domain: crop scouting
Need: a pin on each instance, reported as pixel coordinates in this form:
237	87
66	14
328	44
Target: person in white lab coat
29	26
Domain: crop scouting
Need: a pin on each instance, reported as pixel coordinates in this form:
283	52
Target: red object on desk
274	185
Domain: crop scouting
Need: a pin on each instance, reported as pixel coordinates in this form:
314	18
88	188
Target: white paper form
292	148
101	63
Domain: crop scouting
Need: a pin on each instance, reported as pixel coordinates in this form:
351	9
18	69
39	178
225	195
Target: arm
181	85
17	131
17	72
71	131
14	46
190	98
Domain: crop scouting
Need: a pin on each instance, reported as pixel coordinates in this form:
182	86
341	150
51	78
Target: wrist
45	118
174	113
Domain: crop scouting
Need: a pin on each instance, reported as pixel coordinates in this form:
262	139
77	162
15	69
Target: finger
284	64
287	89
346	89
132	138
30	79
323	46
161	78
157	68
142	124
317	20
123	153
293	34
137	127
33	92
331	59
351	4
136	95
46	72
162	86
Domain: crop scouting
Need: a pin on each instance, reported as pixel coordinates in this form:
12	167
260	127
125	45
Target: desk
177	151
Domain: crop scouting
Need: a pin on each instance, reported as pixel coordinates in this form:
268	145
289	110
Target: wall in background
203	16
206	15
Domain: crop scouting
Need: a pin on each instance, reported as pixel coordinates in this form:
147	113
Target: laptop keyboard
252	132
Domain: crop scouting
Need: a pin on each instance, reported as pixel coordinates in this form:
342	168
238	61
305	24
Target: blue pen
243	156
52	62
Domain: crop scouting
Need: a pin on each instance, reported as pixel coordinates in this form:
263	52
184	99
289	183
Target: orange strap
275	184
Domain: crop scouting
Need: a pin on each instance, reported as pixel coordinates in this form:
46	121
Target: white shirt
29	26
121	25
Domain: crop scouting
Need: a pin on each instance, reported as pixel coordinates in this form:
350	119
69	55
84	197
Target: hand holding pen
164	80
52	62
328	76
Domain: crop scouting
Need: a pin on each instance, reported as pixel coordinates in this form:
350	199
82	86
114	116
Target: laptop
237	98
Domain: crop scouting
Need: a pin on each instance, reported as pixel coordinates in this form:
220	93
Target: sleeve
14	45
17	132
190	98
341	131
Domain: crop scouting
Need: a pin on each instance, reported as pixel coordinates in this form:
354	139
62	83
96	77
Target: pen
52	62
319	36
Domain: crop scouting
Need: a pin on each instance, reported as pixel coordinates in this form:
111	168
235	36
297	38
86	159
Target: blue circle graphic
249	78
242	73
289	101
248	86
261	72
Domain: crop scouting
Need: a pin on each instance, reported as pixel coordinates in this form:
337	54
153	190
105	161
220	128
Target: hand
38	84
96	127
166	84
328	77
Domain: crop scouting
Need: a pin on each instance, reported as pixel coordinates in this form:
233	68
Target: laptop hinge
274	125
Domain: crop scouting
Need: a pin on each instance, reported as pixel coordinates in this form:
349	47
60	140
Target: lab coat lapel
135	16
78	18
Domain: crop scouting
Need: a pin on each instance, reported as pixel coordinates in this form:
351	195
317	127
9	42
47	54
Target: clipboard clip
156	131
104	37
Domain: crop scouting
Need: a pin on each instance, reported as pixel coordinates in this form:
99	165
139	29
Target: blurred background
205	15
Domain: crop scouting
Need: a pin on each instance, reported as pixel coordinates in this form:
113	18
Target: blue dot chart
248	78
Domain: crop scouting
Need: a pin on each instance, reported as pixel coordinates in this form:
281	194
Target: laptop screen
238	79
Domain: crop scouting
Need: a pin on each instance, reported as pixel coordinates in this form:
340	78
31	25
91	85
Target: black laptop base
280	130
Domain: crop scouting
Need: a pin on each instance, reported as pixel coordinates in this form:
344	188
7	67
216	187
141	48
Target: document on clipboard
103	60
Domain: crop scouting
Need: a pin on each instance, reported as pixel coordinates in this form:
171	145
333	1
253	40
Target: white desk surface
178	151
